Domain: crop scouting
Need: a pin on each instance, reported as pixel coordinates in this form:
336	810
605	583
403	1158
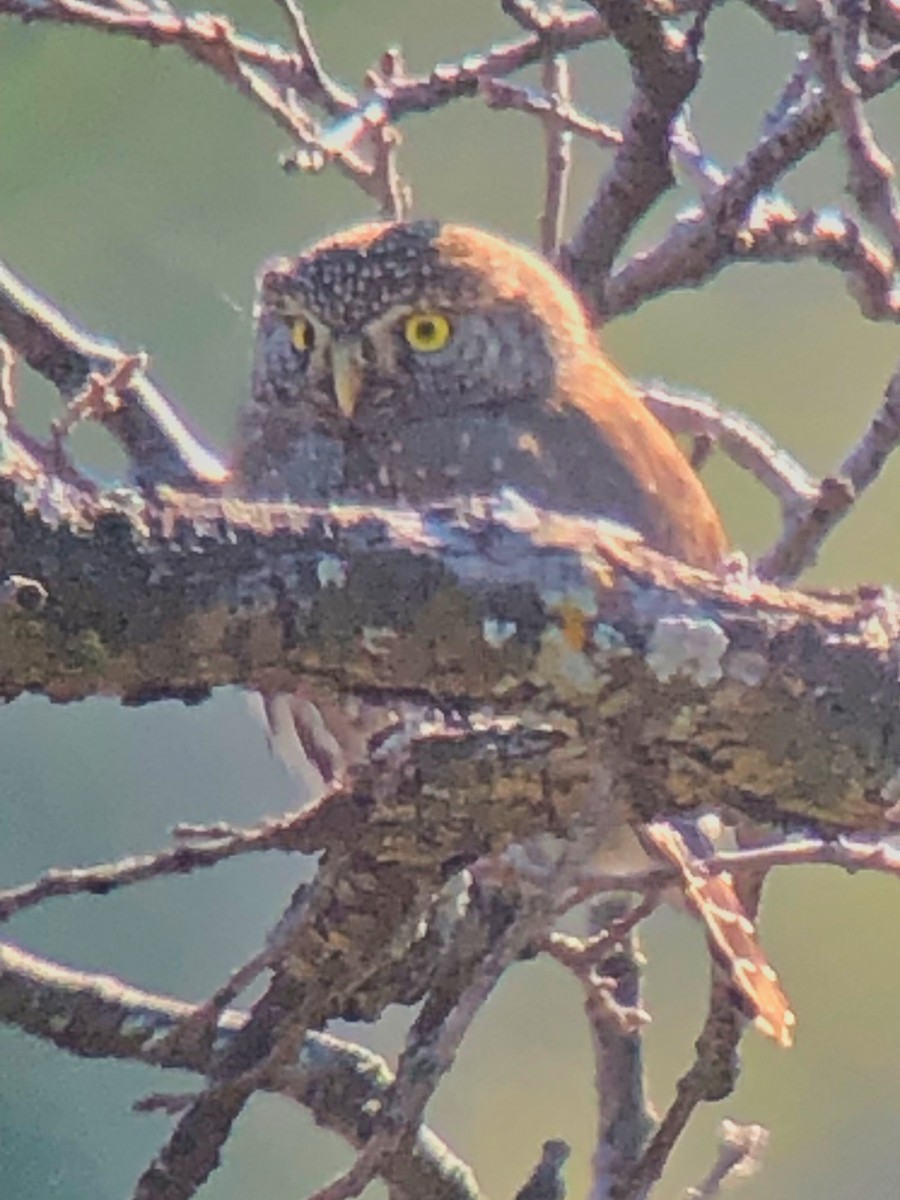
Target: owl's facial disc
344	364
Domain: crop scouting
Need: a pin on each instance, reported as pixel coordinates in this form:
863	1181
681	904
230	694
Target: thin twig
666	69
546	1181
711	1077
332	97
501	95
741	1148
870	178
702	241
792	94
853	856
777	233
740	438
160	447
394	195
556	81
527	14
616	1017
8	363
92	1015
207	848
803	536
782	17
700	169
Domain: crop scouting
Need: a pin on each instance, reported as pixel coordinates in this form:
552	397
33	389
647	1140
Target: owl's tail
733	937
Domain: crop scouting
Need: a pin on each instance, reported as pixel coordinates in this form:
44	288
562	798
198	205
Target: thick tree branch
788	701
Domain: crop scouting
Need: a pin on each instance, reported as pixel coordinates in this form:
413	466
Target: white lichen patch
683	726
497	632
608	639
331	571
567	668
747	667
377	639
691	646
511	508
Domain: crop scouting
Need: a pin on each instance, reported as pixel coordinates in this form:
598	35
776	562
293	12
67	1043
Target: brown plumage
520	394
415	362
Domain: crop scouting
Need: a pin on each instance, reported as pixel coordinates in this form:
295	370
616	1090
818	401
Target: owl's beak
347	375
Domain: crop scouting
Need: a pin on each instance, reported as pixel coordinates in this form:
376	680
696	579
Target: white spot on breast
377	640
691	646
495	632
529	444
331	571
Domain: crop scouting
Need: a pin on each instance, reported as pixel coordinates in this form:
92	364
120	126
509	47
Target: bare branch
322	87
740	438
666	68
782	17
8	362
741	1148
395	196
558	155
93	1015
545	1181
871	173
803	536
611	989
778	234
500	95
711	1077
435	1038
852	855
703	172
527	14
159	444
702	241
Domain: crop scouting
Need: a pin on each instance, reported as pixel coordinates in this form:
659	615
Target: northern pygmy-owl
409	363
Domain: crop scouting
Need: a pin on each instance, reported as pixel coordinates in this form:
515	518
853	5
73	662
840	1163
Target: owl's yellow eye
427	332
302	334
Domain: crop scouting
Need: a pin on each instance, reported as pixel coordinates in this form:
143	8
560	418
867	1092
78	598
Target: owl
409	363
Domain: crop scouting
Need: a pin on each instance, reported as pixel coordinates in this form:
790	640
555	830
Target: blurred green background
141	194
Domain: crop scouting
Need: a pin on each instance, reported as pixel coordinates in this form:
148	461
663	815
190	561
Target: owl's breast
274	462
558	461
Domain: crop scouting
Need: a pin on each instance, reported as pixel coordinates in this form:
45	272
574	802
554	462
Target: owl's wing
733	937
677	515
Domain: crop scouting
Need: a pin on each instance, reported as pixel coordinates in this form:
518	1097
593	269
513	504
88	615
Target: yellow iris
302	335
427	332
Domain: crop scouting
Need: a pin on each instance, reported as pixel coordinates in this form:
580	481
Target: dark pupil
426	330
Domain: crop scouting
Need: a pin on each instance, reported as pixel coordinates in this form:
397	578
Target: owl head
413	362
389	323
